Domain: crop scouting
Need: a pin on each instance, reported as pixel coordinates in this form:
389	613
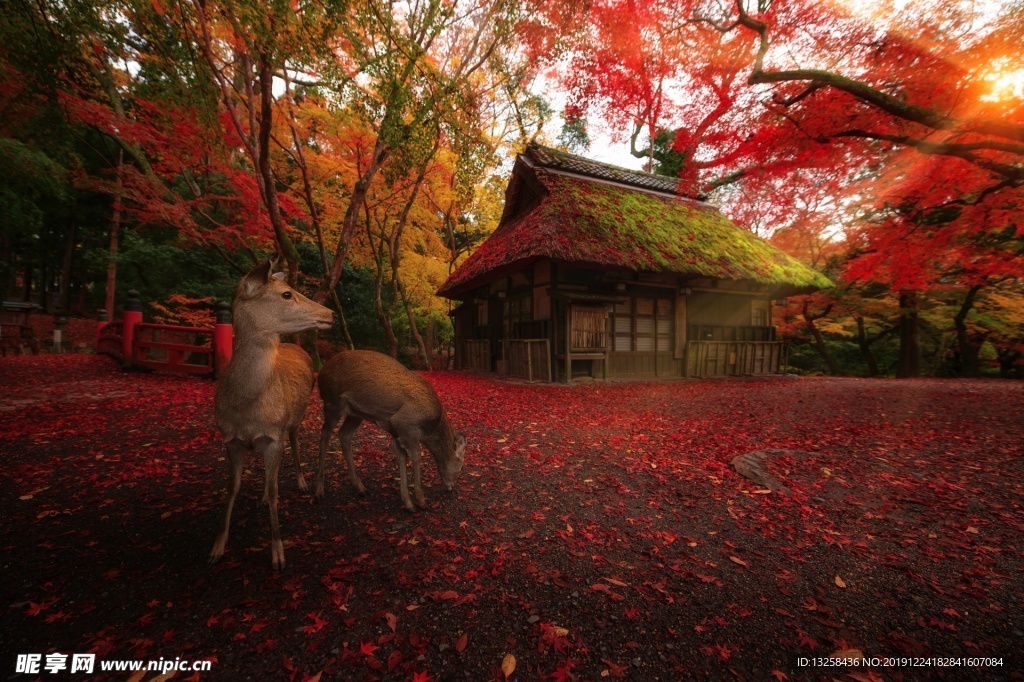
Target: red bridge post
132	317
222	338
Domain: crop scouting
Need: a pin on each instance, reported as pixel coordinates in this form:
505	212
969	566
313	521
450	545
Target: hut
603	272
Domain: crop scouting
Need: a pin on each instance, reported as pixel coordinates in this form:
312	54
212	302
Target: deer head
264	302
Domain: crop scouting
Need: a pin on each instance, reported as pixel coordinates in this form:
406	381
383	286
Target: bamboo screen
588	327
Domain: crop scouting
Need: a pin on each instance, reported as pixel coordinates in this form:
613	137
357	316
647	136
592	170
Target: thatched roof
602	215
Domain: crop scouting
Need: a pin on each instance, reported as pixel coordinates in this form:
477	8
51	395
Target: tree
780	95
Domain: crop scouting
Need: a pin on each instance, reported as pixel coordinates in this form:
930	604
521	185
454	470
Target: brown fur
357	385
263	393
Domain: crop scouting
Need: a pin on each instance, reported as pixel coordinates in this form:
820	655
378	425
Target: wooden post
132	317
679	347
547	354
609	336
222	338
58	333
568	342
529	360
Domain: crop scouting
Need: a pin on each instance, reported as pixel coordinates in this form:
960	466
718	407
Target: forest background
168	145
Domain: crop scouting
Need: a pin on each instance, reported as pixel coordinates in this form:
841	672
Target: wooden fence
734	358
474	354
530	359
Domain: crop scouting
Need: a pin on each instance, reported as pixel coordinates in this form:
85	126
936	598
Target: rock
533	619
752	466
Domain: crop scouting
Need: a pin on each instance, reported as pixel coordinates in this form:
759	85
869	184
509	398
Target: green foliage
574	135
667	161
157	265
31	186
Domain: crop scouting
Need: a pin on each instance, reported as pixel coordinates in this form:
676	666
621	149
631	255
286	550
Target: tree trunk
968	351
384	315
910	337
865	347
819	342
348	225
115	229
380	257
395	248
266	173
64	300
412	323
314	214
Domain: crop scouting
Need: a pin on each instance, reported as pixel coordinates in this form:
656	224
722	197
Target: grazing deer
264	391
357	385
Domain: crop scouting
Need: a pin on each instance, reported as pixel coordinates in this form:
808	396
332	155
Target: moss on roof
584	221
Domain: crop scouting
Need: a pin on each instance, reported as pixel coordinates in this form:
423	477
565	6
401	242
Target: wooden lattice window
517	310
758	315
622	323
643	325
588	327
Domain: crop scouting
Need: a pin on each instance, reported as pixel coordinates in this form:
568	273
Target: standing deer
357	385
264	391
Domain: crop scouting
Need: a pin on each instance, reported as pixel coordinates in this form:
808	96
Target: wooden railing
110	340
714	332
163	347
530	359
734	358
160	347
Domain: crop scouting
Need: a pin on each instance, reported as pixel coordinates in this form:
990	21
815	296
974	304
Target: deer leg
272	451
417	483
403	476
293	438
348	429
236	461
332	416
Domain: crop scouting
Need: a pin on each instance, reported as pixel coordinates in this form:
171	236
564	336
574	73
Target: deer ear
279	275
257	278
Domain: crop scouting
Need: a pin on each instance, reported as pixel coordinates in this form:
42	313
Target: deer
264	391
358	385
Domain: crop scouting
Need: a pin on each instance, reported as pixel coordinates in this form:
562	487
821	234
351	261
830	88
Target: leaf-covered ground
597	532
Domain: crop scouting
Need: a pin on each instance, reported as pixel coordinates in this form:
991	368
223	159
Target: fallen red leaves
595	529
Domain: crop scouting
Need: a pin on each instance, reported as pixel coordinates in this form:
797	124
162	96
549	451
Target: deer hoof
302	485
214	559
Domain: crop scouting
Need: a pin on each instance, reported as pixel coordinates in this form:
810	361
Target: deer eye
286	295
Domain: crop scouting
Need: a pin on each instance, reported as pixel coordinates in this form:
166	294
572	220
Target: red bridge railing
205	351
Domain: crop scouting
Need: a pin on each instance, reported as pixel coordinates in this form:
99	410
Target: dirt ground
597	531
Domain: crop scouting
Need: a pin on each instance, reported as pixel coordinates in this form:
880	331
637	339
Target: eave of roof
559	161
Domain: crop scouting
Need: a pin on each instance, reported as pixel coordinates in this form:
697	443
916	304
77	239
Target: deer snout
325	320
